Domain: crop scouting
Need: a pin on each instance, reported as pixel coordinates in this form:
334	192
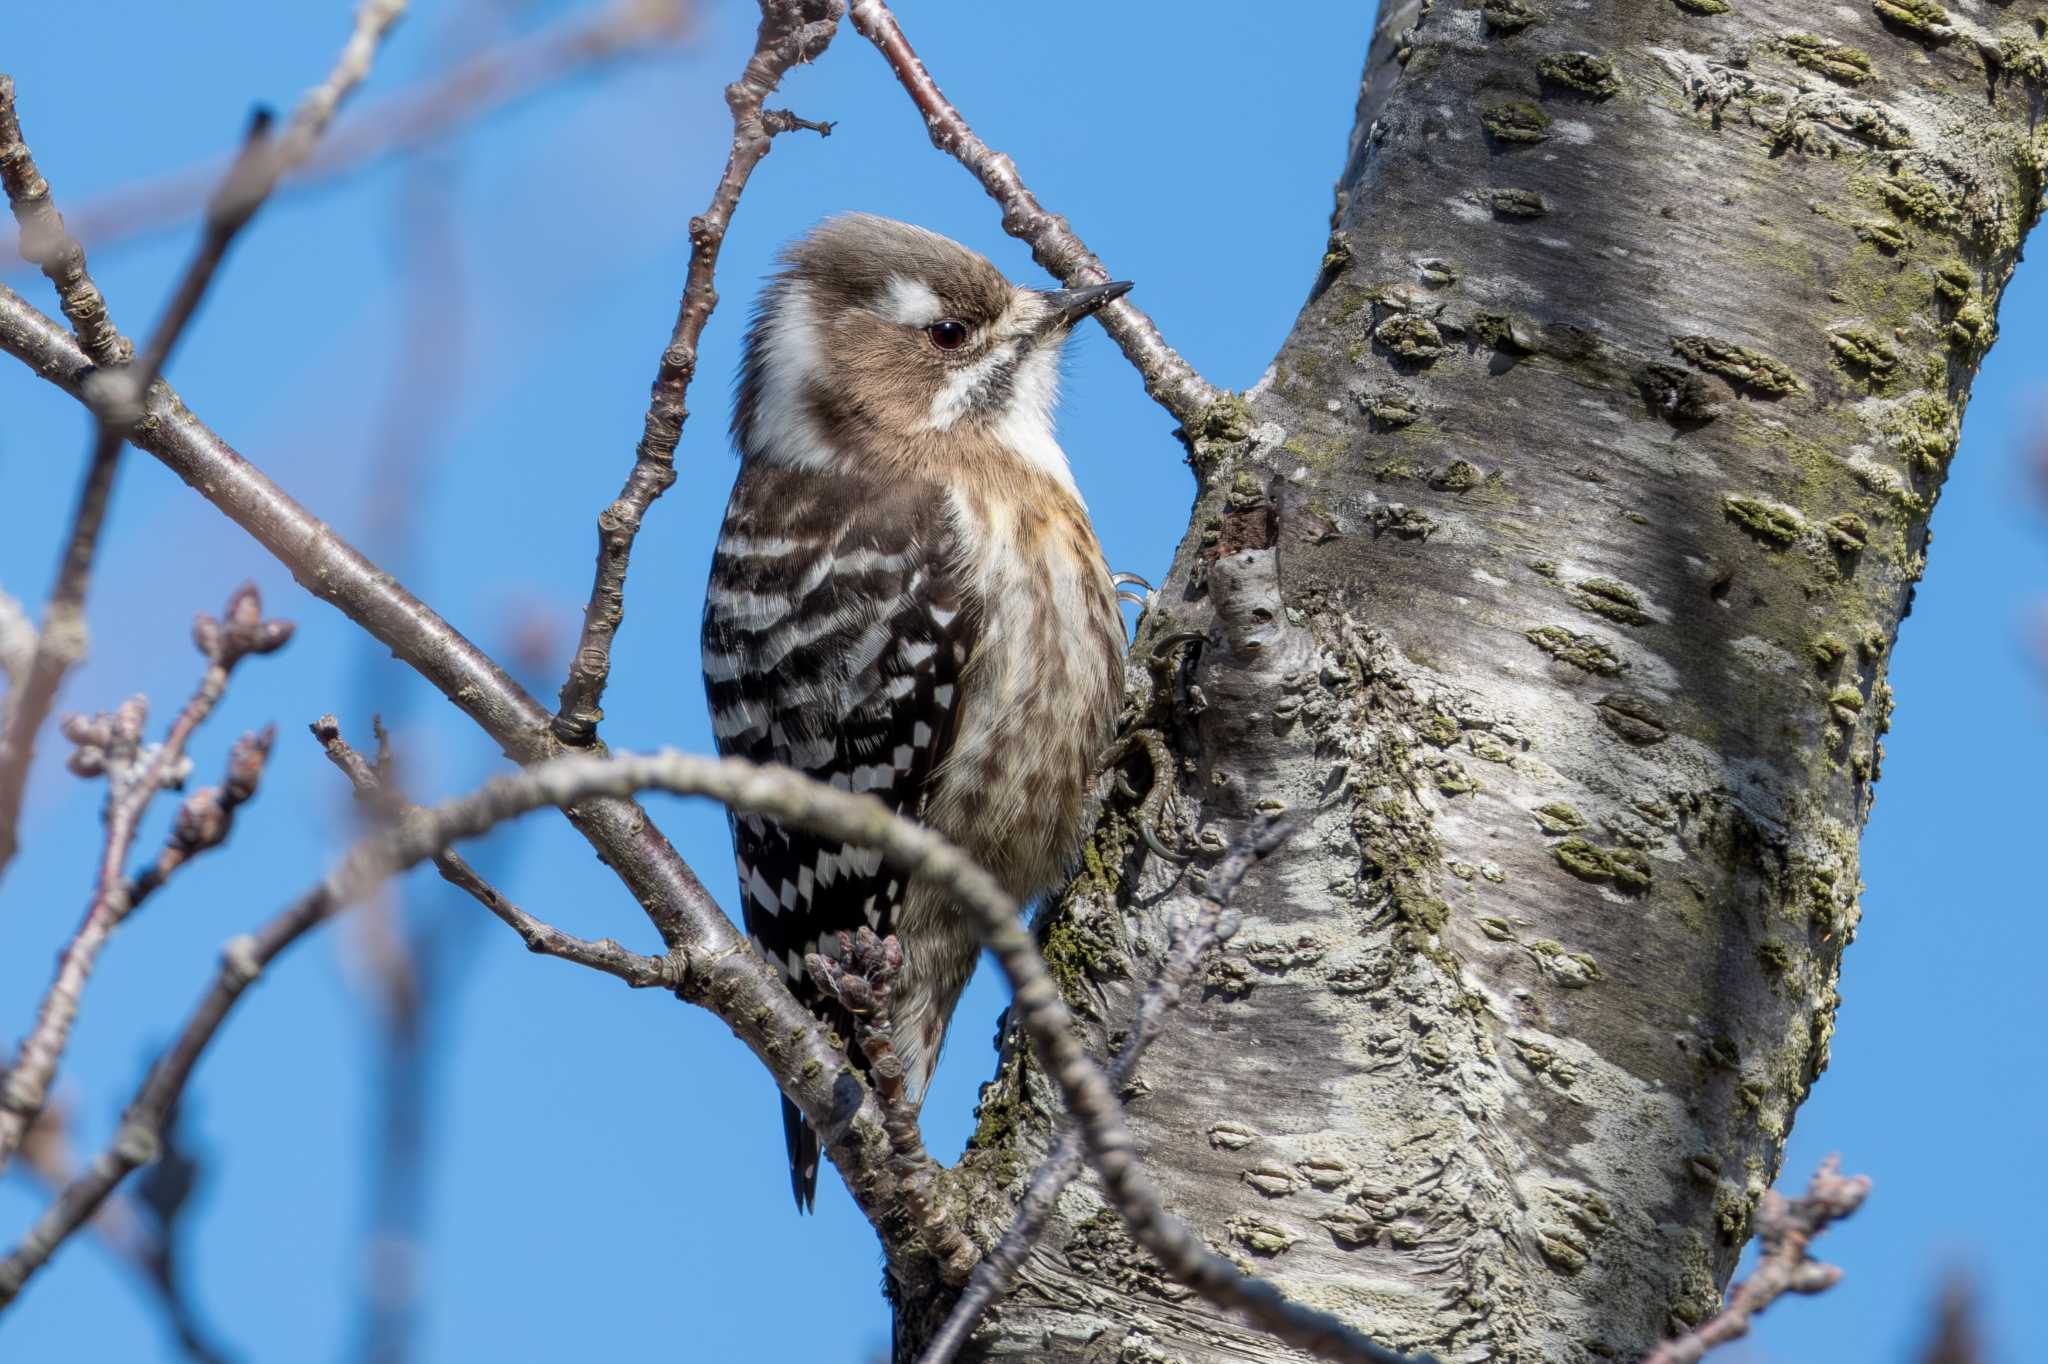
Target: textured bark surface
1549	578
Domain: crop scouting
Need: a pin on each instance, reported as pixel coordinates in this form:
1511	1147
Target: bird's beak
1065	307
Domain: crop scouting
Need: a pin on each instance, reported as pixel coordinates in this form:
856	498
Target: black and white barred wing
833	644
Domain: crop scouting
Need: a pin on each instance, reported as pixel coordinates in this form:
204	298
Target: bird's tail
803	1156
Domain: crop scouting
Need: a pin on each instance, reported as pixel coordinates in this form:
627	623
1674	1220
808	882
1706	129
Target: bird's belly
1042	690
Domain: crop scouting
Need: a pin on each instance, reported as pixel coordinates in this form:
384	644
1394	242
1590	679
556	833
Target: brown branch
1787	1228
57	647
863	979
142	1232
486	83
750	997
115	391
798	1060
1189	939
543	939
112	746
1169	378
791	32
45	243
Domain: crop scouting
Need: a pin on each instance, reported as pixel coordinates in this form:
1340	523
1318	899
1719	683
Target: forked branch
112	746
374	790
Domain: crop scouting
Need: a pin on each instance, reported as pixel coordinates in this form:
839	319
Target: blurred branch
51	652
111	745
792	32
1787	1228
142	1233
1955	1338
1190	938
115	390
467	93
540	938
1169	378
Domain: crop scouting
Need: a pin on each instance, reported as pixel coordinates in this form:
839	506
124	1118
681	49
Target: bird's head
880	336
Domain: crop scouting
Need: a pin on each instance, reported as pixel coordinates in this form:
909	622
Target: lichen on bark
1580	767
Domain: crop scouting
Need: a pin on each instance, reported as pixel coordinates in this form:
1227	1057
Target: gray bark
1549	579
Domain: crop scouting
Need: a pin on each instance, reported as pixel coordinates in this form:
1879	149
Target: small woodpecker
908	600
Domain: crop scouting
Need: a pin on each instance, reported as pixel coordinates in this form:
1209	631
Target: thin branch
862	978
721	969
791	32
778	793
1190	937
57	647
753	999
1787	1228
116	391
141	1232
484	84
1169	378
45	243
112	746
636	969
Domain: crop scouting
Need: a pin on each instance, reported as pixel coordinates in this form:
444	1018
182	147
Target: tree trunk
1548	579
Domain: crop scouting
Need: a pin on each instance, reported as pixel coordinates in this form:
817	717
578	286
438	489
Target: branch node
239	958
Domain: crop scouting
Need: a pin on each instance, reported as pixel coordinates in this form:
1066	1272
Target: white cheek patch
910	302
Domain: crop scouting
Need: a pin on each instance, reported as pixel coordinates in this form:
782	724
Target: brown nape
848	261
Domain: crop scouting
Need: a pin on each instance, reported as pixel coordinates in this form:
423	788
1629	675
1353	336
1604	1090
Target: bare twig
57	647
142	1232
465	94
636	969
1189	939
1787	1228
207	815
791	32
46	244
799	1058
863	979
1170	379
112	745
116	390
751	997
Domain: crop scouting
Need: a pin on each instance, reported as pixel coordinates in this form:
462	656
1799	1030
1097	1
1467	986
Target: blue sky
610	1163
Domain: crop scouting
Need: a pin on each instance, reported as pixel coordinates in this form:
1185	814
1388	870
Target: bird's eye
947	333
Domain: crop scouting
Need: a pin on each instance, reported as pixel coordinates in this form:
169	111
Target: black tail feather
803	1156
